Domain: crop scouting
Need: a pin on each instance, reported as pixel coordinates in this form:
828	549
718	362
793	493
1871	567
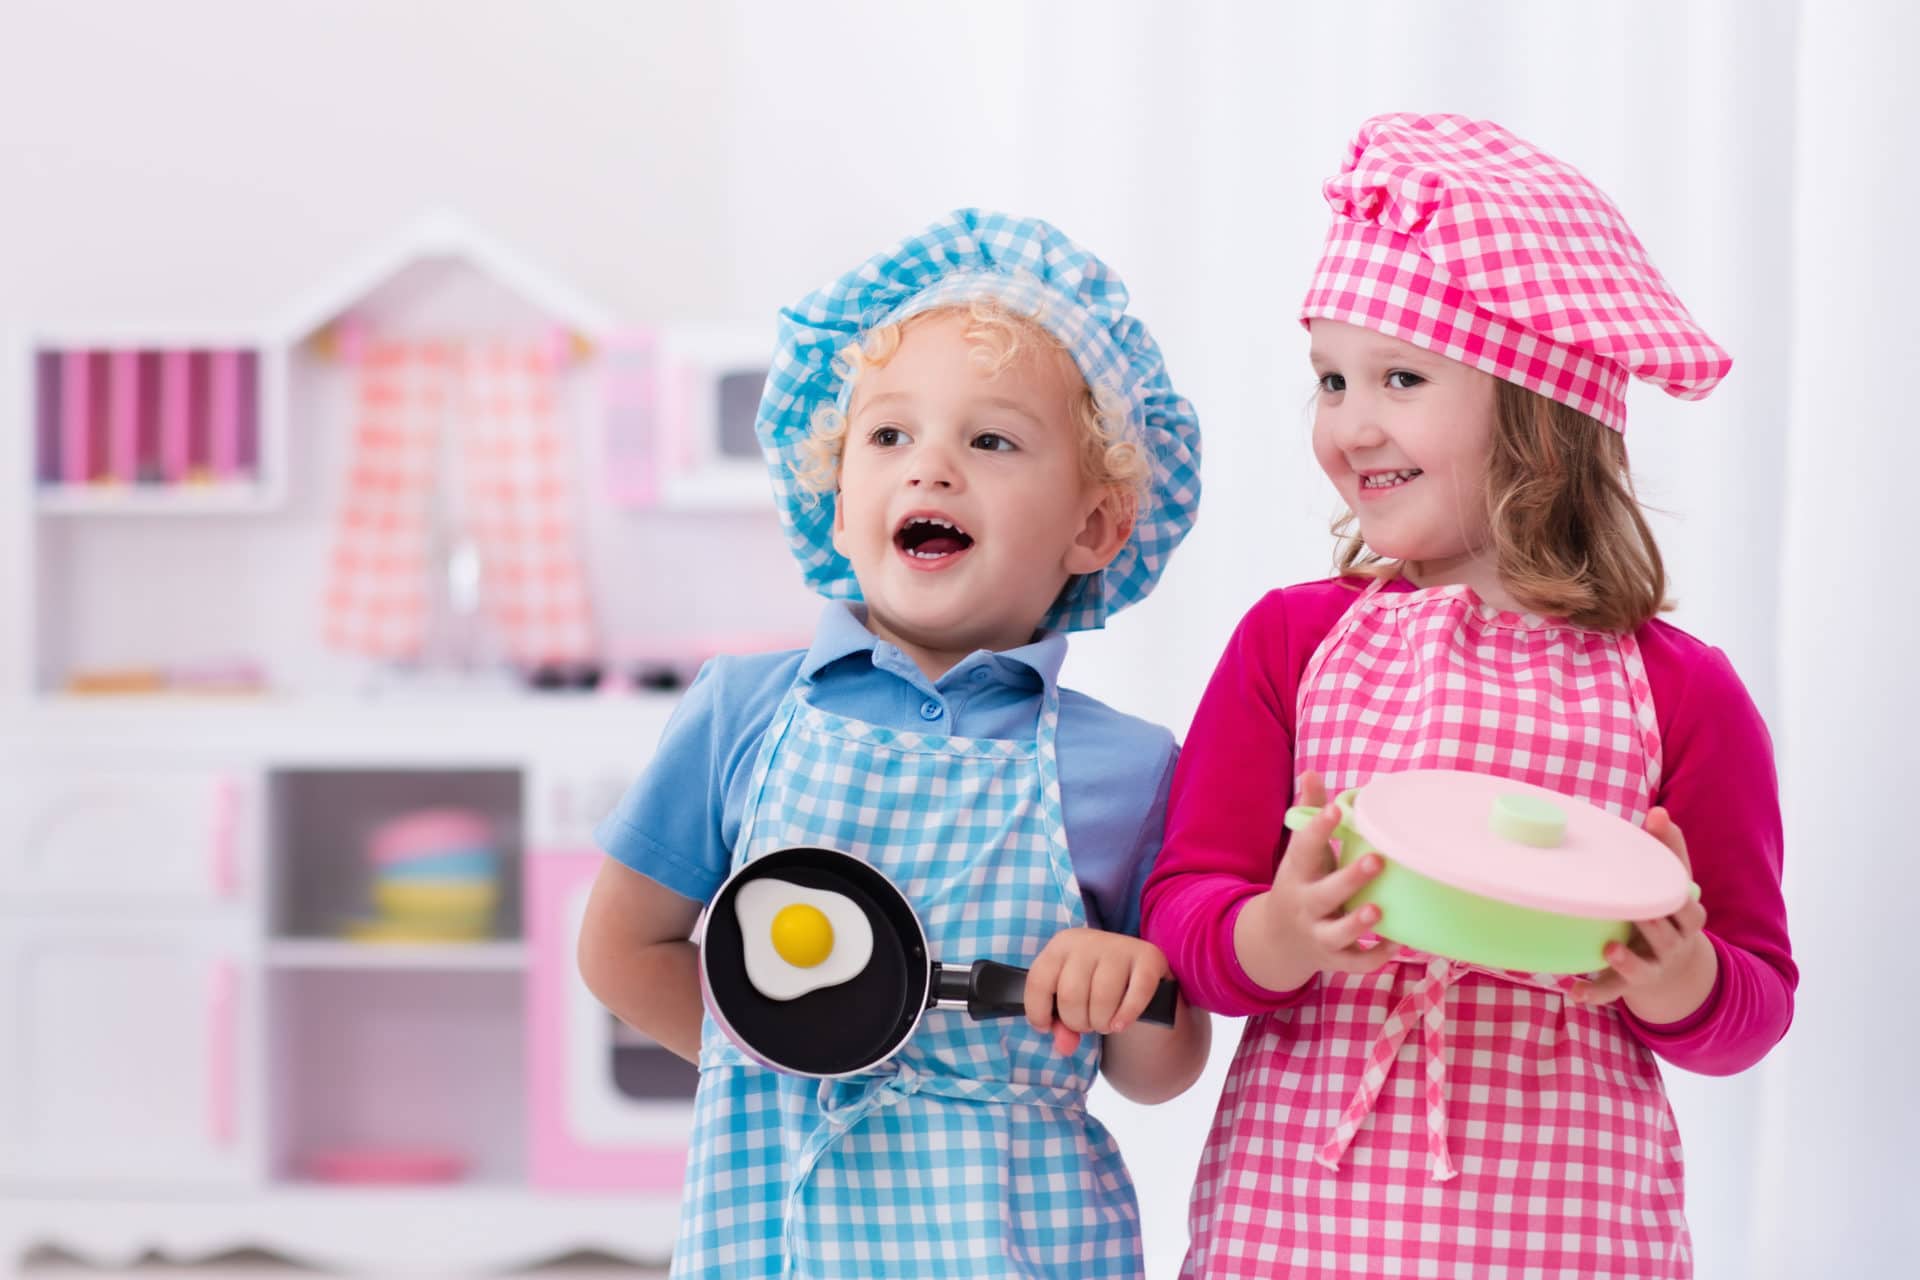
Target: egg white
759	901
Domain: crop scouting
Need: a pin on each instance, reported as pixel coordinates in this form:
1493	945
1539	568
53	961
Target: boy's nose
933	468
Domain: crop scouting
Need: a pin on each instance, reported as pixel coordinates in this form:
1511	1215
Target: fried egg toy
798	939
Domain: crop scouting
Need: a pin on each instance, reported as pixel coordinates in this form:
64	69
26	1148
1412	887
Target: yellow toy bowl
436	898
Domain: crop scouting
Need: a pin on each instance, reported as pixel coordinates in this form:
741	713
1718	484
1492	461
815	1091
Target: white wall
193	169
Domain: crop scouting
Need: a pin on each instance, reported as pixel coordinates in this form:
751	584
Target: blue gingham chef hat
1031	268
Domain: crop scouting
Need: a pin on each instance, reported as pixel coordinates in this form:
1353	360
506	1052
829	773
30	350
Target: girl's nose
1356	424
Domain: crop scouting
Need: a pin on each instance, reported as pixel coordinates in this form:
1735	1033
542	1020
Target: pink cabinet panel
608	1109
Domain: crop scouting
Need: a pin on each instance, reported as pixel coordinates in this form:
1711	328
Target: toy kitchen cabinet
197	1055
192	1061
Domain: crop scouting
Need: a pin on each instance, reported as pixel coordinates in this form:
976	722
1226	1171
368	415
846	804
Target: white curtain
1839	1168
1763	152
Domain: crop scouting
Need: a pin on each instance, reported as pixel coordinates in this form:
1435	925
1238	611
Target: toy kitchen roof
441	272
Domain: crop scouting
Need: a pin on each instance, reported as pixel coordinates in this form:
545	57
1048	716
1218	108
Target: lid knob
1529	819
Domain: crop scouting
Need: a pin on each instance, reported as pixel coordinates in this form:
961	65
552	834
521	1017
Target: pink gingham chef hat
1458	237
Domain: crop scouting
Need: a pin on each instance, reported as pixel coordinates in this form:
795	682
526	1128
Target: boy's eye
886	436
1401	380
992	440
1333	382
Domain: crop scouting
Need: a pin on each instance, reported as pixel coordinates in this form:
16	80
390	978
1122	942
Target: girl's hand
1669	966
1091	980
1298	927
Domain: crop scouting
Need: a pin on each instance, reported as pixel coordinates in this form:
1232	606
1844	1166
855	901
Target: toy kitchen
338	637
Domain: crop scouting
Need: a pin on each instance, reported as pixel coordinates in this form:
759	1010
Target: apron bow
1426	1006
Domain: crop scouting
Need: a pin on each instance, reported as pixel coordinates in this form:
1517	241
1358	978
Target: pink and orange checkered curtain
491	408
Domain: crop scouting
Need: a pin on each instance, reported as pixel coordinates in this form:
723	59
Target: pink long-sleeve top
1235	780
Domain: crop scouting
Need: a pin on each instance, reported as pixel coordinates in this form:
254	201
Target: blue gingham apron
970	1152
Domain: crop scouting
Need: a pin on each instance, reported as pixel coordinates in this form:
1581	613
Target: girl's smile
1404	435
1375	485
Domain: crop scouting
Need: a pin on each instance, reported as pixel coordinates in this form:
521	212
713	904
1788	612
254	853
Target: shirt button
978	675
931	710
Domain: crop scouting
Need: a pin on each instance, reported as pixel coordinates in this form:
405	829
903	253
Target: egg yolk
802	935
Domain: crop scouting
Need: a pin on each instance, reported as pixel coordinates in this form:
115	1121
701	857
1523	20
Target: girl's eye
886	436
1401	380
992	440
1333	383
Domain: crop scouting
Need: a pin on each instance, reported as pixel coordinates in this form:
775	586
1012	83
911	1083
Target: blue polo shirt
678	822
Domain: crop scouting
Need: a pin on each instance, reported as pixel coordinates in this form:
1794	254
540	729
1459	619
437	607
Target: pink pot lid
1520	844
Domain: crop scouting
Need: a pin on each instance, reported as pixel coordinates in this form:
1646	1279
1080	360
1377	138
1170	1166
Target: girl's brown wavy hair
1568	536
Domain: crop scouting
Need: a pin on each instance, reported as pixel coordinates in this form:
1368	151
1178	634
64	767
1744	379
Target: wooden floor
255	1266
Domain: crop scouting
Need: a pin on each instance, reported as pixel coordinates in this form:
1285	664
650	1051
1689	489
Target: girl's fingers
1354	960
1661	826
1313	789
1632	967
1604	989
1341	932
1660	935
1325	896
1041	981
1309	854
1689	919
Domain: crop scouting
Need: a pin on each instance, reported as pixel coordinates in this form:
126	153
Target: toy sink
1502	873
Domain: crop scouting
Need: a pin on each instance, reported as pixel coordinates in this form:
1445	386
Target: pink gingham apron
1515	1134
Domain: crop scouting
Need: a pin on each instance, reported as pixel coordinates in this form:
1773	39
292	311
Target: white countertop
442	729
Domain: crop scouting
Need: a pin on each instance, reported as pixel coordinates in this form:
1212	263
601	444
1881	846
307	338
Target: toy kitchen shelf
189	497
151	427
194	1058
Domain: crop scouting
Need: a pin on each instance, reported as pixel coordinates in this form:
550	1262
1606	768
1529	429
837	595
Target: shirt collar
842	632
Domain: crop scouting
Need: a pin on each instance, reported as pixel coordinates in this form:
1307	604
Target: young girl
1474	318
971	438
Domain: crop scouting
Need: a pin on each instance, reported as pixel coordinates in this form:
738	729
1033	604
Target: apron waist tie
1427	1005
847	1101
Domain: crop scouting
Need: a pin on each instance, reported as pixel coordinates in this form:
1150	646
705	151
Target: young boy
976	450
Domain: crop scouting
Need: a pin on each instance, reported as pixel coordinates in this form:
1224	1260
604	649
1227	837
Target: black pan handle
989	989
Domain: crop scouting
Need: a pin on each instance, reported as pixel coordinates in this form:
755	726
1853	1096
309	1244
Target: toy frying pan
1502	873
814	963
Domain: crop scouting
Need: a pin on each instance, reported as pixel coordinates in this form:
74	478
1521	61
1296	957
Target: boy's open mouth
931	538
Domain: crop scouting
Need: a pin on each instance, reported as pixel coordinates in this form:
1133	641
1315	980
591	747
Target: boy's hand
1667	970
1299	927
1094	981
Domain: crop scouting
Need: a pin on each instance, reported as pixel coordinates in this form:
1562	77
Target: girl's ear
1107	527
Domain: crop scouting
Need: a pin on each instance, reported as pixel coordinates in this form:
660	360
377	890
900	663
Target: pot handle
989	989
1301	814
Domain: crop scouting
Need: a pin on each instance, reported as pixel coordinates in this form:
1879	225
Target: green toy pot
1500	873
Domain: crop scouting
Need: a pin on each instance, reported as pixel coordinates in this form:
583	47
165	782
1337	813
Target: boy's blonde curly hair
1000	337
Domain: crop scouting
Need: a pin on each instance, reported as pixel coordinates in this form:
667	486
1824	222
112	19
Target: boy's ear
839	521
1108	526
